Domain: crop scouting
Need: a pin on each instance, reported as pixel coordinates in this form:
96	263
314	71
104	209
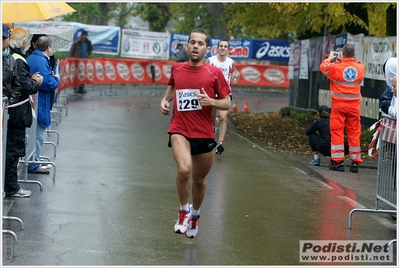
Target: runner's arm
168	96
221	104
234	74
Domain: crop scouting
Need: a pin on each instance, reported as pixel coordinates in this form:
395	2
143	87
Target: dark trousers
319	145
322	146
80	89
15	149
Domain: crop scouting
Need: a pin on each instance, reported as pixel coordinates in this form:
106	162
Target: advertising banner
75	71
355	40
271	50
175	39
327	46
297	59
263	75
145	45
314	53
239	49
304	65
376	50
105	39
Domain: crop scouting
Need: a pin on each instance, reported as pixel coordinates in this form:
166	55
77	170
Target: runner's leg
182	154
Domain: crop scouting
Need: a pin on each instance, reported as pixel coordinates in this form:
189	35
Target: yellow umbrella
31	11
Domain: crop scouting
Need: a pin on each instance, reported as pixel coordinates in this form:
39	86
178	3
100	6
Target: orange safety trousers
345	114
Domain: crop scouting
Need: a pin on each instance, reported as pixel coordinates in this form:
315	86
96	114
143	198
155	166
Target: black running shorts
198	146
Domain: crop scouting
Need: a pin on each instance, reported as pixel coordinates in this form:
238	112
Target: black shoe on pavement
331	163
337	166
354	168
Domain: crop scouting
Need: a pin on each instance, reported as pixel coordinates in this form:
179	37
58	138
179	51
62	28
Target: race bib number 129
187	100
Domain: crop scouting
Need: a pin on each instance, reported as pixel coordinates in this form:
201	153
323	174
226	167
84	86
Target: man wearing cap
81	48
182	55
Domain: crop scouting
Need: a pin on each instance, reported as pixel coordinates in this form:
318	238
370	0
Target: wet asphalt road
114	202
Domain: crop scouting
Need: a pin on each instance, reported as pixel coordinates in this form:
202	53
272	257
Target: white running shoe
193	227
22	193
181	225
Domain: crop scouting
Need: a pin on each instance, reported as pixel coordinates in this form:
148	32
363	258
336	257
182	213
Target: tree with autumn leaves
288	20
305	20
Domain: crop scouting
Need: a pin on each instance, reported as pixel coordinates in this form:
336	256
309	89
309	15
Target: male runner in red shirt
192	87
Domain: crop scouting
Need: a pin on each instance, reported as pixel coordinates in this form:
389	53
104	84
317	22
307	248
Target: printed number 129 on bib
187	100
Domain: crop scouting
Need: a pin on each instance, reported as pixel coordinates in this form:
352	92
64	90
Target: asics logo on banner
273	51
350	74
187	94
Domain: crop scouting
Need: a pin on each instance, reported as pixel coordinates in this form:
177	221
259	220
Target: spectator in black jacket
19	110
320	137
81	48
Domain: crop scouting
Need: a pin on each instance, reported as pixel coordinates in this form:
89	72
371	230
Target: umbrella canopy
30	11
60	36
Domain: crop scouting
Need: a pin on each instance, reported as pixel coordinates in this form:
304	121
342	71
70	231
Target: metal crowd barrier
30	148
386	173
4	146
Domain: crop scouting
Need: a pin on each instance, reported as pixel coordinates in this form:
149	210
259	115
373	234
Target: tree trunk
391	21
102	20
218	28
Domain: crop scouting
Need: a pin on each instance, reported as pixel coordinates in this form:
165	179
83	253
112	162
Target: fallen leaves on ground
284	134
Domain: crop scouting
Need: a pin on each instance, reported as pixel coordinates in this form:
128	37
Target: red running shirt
190	118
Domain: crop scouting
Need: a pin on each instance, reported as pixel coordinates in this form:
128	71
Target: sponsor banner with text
376	50
271	50
239	49
75	71
145	44
105	39
263	75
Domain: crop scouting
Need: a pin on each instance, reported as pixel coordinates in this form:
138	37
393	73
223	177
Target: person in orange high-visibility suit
345	74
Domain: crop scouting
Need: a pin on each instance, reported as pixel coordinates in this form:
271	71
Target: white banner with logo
105	39
355	40
145	45
304	65
376	50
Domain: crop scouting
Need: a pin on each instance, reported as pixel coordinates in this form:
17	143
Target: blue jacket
38	62
385	99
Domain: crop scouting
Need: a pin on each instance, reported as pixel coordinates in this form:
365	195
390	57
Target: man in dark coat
81	48
19	109
182	55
